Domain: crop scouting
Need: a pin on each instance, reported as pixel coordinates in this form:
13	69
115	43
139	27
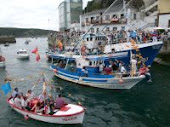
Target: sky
41	14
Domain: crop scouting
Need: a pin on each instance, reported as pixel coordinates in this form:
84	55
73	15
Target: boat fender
55	70
26	117
121	81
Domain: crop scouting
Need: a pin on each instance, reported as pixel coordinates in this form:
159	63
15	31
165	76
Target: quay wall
7	39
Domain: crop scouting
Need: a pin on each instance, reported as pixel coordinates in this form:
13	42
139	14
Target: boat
69	114
2	59
27	42
22	54
70	69
6	44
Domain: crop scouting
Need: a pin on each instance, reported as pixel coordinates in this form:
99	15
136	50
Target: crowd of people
44	104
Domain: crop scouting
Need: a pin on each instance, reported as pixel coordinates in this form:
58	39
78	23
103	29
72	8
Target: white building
116	17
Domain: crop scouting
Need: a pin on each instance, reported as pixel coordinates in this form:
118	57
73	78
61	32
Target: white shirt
30	96
17	102
133	62
122	69
24	102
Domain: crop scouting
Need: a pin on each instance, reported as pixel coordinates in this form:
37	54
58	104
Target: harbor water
144	105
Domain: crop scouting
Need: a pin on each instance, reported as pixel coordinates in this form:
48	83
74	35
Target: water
145	105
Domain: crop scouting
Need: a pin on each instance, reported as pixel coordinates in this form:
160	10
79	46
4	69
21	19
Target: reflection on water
145	105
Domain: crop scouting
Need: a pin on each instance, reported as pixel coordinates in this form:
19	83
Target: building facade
164	13
69	12
113	19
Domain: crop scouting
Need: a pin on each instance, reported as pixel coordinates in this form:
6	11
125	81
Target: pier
7	39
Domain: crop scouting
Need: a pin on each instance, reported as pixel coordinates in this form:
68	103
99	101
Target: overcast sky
41	14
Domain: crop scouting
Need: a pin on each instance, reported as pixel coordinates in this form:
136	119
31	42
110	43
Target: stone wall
7	39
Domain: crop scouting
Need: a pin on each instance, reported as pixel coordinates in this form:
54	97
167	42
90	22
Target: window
114	16
91	38
92	30
87	39
114	28
108	29
87	20
122	15
97	30
107	17
134	16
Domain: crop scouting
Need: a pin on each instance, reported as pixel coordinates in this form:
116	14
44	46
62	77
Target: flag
35	51
60	45
6	88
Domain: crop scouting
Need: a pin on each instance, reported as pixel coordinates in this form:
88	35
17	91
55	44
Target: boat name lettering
69	118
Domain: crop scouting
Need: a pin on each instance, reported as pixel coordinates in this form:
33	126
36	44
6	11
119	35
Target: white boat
69	114
22	54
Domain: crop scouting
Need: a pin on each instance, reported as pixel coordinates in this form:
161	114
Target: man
17	101
133	66
59	102
30	95
15	92
42	97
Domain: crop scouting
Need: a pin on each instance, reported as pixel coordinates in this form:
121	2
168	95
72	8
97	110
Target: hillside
101	4
20	32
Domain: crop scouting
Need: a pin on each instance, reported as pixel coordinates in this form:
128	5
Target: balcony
105	22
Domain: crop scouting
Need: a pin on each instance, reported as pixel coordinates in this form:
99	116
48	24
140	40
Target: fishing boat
2	59
71	69
22	54
69	114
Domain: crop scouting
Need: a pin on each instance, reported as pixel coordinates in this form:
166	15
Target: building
164	13
69	12
113	19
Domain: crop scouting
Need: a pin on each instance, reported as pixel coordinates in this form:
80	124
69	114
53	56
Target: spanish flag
35	51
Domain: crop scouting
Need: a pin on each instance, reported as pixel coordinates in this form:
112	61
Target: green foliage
101	4
20	32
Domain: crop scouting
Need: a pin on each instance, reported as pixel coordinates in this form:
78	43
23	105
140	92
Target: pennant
60	45
35	51
6	88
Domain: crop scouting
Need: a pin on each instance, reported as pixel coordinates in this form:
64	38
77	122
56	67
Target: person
24	102
17	101
47	109
37	108
101	68
15	92
133	66
59	102
122	69
42	97
85	72
30	95
114	66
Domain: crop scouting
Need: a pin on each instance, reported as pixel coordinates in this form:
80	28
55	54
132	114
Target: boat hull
105	83
2	64
76	118
23	57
